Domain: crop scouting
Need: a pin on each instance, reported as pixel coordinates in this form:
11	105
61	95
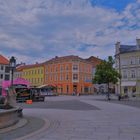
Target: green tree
106	73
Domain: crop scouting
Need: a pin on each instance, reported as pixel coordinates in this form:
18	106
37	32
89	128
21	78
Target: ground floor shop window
86	89
133	89
125	89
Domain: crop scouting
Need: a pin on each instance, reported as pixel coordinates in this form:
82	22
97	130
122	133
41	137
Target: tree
106	73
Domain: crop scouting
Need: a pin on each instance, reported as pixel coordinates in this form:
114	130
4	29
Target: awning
41	86
47	86
128	83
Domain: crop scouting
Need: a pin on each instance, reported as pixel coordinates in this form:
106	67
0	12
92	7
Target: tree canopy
106	73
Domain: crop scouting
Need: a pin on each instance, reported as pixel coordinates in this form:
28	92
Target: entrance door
75	89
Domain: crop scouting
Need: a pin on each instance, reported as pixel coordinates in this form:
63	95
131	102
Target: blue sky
37	30
119	5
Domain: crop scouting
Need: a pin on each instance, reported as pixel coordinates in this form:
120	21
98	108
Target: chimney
138	43
117	48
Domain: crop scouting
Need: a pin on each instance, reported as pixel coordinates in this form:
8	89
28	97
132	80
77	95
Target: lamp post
10	100
12	67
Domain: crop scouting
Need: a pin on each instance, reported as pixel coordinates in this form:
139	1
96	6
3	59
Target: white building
127	60
4	70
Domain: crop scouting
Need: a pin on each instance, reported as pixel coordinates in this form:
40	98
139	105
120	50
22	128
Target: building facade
127	60
97	87
69	74
4	70
33	73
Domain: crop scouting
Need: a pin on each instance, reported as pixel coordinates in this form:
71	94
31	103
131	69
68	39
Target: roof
94	60
128	48
3	60
21	67
66	58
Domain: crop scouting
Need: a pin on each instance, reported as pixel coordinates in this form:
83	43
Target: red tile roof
66	59
21	67
3	60
94	60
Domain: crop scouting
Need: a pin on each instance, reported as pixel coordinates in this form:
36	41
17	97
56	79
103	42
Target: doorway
74	89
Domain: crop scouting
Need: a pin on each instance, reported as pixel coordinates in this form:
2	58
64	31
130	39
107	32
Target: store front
129	88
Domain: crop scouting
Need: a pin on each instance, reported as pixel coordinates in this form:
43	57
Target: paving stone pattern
66	105
108	122
32	125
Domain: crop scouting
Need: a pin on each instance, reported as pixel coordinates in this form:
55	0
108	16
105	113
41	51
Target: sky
38	30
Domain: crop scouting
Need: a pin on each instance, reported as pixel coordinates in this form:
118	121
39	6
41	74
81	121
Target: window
124	61
61	68
67	77
125	90
85	68
134	89
51	68
67	67
1	76
124	74
7	77
54	77
46	69
51	77
86	89
41	71
81	68
75	76
7	69
2	67
132	60
75	67
133	75
61	77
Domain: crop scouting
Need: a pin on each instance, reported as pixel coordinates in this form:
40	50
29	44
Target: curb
28	136
20	123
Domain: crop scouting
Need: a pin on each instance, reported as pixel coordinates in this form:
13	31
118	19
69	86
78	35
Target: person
108	96
78	94
119	97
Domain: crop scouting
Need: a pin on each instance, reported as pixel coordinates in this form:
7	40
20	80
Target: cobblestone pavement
91	120
132	101
24	130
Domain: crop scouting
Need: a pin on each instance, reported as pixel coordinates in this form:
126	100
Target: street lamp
12	67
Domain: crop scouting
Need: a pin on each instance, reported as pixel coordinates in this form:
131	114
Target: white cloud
40	29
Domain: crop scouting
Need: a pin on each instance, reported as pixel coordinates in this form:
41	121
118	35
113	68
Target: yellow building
33	73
